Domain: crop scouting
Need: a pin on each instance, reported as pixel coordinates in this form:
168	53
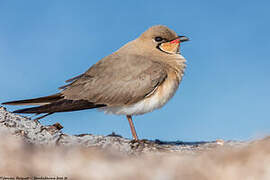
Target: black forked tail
62	105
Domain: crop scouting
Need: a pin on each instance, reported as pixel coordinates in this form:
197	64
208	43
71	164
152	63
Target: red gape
175	41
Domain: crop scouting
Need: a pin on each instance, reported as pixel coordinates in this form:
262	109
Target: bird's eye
158	39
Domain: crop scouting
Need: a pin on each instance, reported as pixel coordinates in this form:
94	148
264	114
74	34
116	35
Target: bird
141	76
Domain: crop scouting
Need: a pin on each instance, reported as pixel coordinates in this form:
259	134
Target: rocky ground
30	150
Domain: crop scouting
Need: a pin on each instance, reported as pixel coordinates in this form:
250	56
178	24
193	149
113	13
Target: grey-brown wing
115	81
70	81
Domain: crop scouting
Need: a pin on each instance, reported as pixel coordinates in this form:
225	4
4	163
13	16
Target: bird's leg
132	127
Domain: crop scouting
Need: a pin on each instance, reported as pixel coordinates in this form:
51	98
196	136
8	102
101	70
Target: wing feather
117	81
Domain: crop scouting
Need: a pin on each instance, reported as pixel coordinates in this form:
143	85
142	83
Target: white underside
149	104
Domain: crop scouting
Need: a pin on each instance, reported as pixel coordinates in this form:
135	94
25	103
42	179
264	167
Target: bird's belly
154	101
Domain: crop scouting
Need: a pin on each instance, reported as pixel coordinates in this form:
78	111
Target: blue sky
225	90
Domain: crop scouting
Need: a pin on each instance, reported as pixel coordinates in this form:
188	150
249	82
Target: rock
35	133
29	150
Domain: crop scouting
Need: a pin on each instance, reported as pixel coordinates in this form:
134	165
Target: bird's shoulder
116	64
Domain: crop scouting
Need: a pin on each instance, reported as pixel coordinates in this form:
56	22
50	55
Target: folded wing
117	81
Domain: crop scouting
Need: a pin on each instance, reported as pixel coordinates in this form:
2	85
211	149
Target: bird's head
162	38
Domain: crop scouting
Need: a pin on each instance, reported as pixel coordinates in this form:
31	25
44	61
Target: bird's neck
173	62
177	64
